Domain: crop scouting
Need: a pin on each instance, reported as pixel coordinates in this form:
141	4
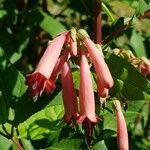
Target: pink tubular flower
39	80
61	60
69	95
102	91
122	133
73	47
100	66
87	102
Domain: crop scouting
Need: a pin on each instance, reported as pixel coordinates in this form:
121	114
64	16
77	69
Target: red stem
97	22
16	142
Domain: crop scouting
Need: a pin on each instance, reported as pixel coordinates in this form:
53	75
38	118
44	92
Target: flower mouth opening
88	127
38	84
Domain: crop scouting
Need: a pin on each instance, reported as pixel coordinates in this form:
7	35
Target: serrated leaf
51	25
132	85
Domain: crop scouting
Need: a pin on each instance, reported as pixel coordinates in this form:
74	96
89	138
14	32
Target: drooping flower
59	64
39	80
101	68
122	133
102	91
38	83
69	94
87	103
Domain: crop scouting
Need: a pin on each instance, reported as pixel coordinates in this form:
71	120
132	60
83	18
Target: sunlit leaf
137	44
51	25
42	123
129	83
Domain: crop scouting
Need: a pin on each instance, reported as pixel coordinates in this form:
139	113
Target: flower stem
97	22
108	11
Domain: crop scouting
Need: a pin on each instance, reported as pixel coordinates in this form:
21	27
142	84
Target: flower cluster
56	59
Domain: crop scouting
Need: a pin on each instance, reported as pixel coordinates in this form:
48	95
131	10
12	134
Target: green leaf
27	144
118	23
51	25
76	79
26	101
143	5
99	146
137	44
40	124
147	2
72	144
12	87
4	143
3	13
109	118
13	82
129	83
6	44
109	121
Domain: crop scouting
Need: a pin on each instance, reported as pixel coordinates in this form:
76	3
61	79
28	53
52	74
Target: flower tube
122	133
98	61
59	64
39	80
87	102
69	95
102	91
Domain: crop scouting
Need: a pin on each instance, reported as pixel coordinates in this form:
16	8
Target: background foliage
25	28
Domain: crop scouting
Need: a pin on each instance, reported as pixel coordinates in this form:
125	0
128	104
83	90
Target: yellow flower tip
82	34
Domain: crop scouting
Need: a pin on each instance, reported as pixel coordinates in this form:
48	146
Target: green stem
108	12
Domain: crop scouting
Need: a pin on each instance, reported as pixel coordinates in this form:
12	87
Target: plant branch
16	142
10	136
97	22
